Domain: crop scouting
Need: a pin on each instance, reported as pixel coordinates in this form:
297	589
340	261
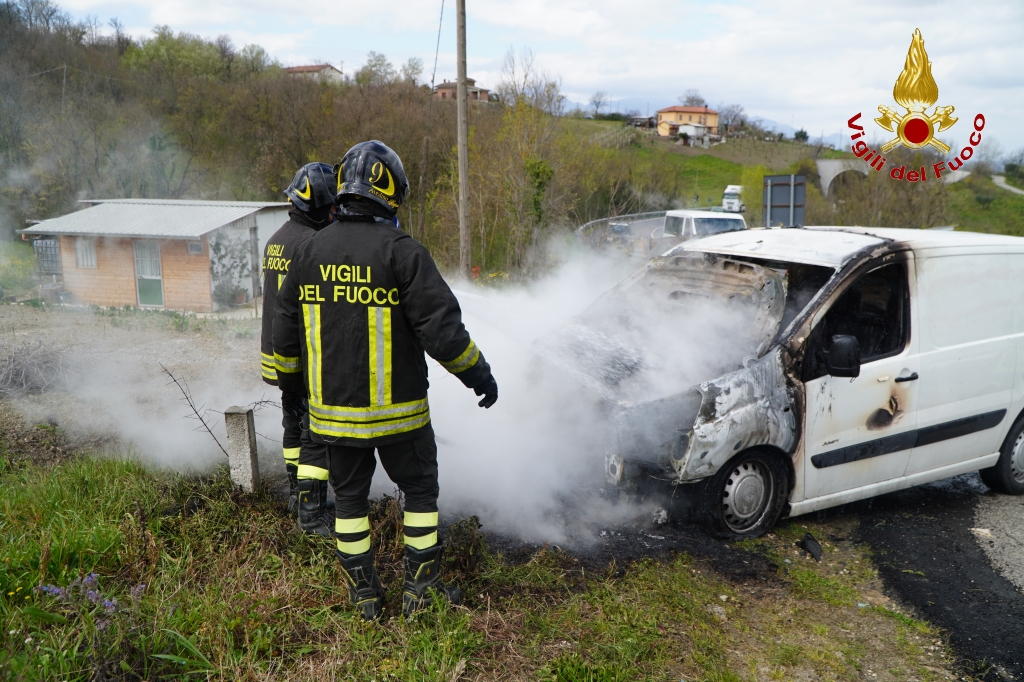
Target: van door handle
912	377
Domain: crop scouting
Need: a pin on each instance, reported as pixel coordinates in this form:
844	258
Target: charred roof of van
834	246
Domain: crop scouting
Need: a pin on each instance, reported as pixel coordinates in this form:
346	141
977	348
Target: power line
437	50
32	75
66	68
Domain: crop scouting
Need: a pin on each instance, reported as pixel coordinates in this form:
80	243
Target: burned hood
679	321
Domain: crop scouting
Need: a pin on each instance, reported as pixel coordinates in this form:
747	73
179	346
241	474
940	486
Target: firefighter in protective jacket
361	303
311	194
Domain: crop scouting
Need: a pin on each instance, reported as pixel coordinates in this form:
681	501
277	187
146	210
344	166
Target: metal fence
633	221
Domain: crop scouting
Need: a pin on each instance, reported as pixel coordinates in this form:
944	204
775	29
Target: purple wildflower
90	580
93	596
136	593
102	624
52	590
110	605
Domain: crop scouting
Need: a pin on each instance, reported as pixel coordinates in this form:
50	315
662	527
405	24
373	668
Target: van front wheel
746	497
1007	476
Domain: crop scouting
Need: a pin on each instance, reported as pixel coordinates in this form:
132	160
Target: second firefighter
361	303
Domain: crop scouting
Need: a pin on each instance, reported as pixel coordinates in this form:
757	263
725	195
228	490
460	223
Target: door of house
148	275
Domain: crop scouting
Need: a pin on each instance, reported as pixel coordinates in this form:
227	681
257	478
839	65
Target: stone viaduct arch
828	169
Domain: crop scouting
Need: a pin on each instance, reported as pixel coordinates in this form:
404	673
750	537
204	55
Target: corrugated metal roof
156	218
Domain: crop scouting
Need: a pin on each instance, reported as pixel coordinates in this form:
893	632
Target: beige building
448	90
322	71
201	256
671	118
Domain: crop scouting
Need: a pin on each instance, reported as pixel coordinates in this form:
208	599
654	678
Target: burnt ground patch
928	557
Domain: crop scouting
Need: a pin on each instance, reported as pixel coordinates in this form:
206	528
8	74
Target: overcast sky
806	63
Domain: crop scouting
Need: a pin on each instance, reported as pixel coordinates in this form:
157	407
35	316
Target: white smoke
514	465
544	441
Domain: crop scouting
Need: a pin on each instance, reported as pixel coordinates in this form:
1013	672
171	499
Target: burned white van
853	362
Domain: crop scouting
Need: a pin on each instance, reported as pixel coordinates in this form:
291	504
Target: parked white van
886	358
686	224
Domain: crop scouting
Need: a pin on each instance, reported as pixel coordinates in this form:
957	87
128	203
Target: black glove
489	390
294	403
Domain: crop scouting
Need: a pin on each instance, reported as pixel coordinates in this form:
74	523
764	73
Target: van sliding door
968	358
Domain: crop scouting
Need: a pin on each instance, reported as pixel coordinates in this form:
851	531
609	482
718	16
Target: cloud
810	62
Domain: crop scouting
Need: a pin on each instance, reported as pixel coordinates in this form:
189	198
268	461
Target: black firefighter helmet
373	170
312	187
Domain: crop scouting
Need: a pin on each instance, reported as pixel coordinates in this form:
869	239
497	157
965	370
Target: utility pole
465	238
422	194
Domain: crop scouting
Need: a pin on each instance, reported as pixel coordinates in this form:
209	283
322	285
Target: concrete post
241	430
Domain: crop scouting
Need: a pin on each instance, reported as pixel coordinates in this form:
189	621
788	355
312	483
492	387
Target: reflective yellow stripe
280	281
311	318
286	365
379	321
365	414
384	428
357	547
269	373
308	472
466	360
420	519
352	525
291	454
267	359
424	542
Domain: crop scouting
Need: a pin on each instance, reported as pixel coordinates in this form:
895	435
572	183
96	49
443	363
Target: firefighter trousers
410	464
299	449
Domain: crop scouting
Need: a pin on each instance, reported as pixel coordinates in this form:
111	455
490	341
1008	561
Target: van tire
760	479
1007	476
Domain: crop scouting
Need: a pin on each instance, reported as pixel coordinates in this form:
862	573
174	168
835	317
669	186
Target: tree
254	59
412	70
731	116
800	135
598	101
377	71
692	98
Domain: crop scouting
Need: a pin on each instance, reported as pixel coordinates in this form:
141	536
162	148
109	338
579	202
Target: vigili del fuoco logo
915	91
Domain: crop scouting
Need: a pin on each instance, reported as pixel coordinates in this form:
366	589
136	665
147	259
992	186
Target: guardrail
629	219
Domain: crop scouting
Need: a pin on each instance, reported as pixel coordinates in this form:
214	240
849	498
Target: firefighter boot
423	574
313	517
363	583
293	487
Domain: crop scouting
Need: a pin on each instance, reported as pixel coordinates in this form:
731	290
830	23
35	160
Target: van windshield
709	226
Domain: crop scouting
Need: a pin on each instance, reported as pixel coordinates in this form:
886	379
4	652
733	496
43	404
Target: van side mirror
843	359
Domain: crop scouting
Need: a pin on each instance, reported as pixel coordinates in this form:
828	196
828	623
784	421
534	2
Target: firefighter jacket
276	256
361	303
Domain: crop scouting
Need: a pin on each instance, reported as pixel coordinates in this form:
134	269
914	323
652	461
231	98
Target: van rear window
709	226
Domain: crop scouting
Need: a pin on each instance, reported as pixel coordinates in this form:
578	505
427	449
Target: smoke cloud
532	466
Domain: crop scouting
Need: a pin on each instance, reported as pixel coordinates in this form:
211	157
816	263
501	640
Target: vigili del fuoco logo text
915	91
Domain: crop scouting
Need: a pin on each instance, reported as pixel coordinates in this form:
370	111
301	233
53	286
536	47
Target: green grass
234	592
1015	180
977	204
17	266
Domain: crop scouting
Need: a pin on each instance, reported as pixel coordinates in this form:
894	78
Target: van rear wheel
1007	476
746	497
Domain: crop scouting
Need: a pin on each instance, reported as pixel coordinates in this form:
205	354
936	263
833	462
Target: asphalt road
954	551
